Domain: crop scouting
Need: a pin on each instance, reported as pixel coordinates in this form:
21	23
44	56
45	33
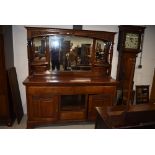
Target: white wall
145	75
20	58
142	76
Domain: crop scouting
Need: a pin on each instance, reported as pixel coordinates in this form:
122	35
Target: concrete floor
22	125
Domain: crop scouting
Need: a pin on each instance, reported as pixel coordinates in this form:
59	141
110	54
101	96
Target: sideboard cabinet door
43	107
98	100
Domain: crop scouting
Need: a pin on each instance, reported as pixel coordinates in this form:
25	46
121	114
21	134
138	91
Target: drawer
72	115
71	89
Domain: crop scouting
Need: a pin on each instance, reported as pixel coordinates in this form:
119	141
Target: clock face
131	41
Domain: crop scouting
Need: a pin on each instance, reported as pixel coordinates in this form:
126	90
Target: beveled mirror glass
102	50
39	48
70	53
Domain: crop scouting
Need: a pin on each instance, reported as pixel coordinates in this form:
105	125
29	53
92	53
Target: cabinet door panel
43	106
152	95
102	100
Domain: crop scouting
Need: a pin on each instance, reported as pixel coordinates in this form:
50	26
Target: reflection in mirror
39	45
102	51
70	53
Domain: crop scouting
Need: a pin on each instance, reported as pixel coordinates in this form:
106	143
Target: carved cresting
40	33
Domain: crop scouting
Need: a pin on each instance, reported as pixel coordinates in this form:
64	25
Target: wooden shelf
73	108
73	102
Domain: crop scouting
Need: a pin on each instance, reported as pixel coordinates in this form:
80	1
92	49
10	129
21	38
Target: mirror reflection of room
102	51
70	53
39	45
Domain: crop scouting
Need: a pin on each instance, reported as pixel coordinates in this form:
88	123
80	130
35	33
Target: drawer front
71	90
42	107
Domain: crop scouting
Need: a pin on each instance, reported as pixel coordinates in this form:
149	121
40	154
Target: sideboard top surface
49	80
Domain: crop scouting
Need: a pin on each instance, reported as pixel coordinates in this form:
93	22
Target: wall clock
131	41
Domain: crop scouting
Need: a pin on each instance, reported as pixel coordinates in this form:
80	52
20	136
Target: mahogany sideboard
69	74
53	99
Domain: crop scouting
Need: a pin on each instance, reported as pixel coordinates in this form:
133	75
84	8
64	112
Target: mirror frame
43	68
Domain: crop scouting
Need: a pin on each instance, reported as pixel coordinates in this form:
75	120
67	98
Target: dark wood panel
99	100
2	67
3	105
3	82
2	64
135	116
43	106
6	107
15	93
152	96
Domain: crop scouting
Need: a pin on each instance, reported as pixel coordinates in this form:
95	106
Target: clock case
127	61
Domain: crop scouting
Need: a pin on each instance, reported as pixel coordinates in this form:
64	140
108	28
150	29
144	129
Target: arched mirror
61	50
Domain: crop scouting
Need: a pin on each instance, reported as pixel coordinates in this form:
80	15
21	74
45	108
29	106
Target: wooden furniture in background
152	96
130	43
7	115
123	117
15	94
142	94
69	88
